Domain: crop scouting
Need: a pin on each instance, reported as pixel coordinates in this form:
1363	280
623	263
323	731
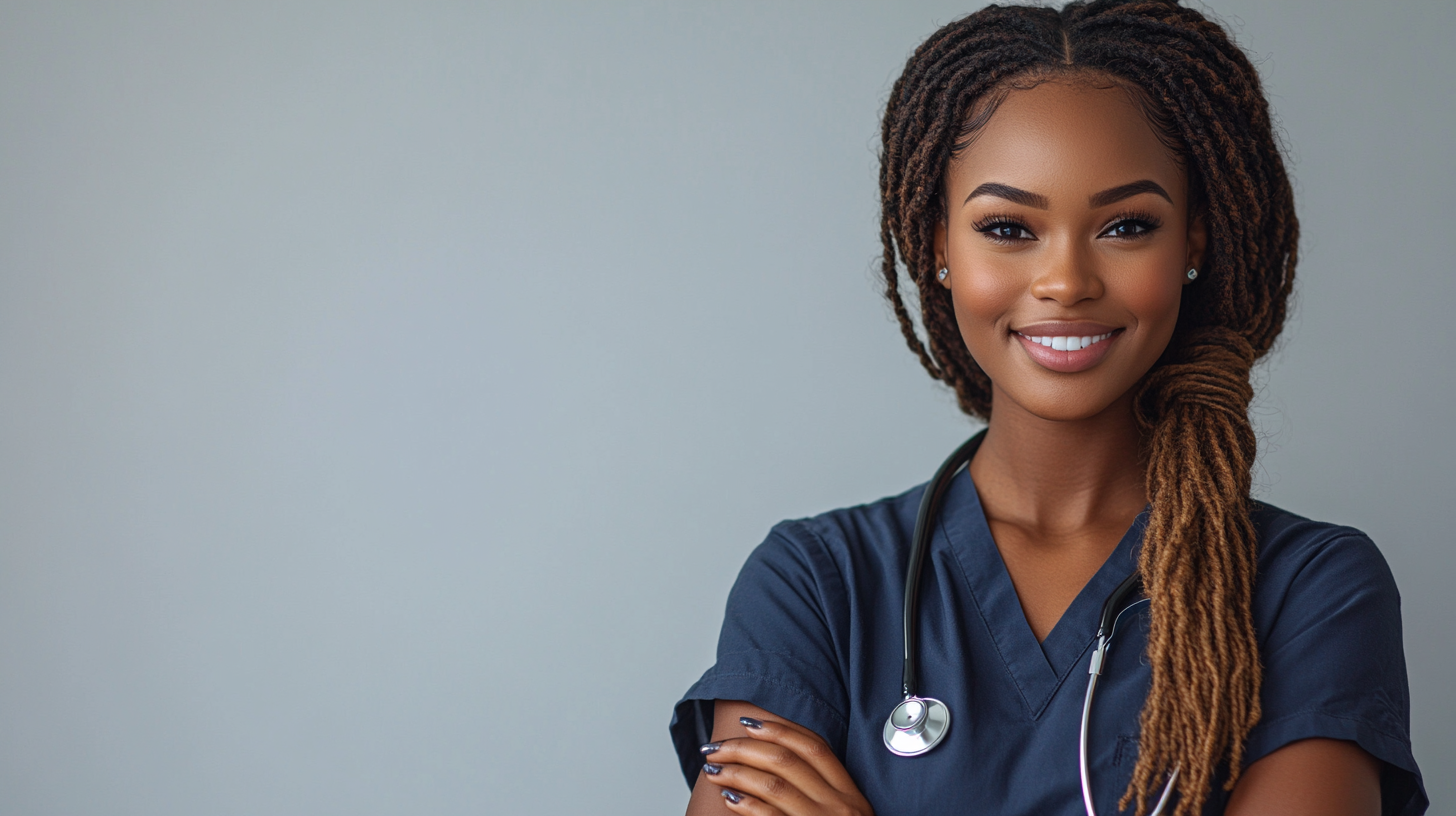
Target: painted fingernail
751	722
710	747
711	769
733	796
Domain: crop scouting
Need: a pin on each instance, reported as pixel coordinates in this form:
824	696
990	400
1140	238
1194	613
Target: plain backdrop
389	393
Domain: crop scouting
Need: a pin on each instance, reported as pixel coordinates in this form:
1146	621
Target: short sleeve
777	649
1334	664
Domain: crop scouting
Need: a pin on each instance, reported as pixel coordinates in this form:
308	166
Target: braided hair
1204	99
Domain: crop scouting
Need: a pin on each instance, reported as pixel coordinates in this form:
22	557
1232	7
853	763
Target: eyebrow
1116	194
1039	201
1013	194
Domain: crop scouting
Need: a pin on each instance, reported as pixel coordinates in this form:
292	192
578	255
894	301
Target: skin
1017	261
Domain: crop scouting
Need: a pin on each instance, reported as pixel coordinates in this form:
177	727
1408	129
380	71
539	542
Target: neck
1061	475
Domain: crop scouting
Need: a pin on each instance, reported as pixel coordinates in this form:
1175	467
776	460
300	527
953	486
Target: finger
775	760
740	802
774	791
807	745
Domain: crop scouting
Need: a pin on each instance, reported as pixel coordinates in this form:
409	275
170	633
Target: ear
940	253
1197	243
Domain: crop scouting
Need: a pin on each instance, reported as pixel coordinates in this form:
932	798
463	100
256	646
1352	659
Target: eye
1003	230
1010	232
1132	227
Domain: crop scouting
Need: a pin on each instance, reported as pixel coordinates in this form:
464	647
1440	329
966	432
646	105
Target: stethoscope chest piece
916	725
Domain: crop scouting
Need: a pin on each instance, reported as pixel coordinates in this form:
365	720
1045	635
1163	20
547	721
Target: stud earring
942	274
1192	274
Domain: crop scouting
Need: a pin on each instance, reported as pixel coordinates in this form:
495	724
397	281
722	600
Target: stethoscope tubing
1094	671
920	542
909	681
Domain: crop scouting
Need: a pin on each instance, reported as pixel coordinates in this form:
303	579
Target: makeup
1067	348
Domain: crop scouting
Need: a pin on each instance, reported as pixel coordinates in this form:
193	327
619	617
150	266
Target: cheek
984	293
1154	301
1159	293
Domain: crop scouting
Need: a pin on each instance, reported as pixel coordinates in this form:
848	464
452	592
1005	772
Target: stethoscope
918	724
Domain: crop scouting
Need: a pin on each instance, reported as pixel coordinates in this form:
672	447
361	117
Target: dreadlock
1204	97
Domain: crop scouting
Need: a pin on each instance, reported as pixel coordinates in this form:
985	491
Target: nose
1067	277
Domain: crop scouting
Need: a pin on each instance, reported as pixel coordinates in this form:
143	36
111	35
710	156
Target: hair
1203	97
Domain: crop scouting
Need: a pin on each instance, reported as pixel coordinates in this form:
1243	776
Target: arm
784	768
707	799
1312	777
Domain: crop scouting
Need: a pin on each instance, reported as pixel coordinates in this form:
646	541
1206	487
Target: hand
782	769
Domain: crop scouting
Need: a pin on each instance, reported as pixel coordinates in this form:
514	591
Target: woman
1095	215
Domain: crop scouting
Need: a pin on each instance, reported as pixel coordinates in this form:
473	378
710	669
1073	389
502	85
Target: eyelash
987	226
1146	220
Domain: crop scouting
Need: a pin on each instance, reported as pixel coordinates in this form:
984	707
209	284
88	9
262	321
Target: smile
1068	343
1066	353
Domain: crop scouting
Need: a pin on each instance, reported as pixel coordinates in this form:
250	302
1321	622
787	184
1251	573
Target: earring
942	274
1192	274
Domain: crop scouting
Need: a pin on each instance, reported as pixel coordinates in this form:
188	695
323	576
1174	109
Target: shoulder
844	541
1300	557
813	577
788	635
1327	614
1284	535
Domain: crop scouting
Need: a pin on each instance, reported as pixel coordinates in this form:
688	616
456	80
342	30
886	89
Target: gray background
389	393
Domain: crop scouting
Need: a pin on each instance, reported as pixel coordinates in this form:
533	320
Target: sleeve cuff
763	679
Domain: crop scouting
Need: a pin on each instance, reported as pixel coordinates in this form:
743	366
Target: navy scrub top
812	634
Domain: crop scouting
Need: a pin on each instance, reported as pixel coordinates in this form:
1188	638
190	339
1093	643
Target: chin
1063	415
1062	406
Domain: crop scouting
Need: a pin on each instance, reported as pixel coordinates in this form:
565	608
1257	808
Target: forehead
1066	135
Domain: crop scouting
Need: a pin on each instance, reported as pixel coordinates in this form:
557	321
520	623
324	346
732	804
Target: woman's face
1067	240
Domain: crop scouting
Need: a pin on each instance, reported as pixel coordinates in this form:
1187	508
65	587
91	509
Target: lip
1066	362
1065	328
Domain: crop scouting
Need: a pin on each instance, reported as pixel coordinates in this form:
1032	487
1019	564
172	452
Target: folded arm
779	768
786	769
1313	777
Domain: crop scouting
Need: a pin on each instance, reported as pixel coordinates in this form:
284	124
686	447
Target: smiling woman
1077	255
1065	229
1098	225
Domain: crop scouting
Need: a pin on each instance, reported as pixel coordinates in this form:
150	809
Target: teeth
1068	343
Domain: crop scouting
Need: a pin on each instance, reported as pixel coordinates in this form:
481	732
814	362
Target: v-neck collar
1037	669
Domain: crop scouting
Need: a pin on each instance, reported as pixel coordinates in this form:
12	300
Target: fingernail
751	722
710	747
711	769
732	796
